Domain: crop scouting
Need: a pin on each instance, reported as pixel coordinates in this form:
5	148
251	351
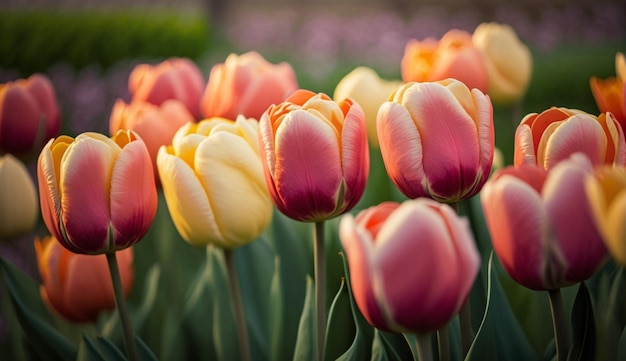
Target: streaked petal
49	196
580	133
524	146
616	228
355	160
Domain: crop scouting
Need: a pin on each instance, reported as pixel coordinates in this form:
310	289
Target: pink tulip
175	78
412	265
97	194
555	134
437	139
78	287
453	56
29	115
541	223
246	84
156	125
315	155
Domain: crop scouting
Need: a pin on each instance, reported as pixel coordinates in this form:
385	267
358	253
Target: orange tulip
78	287
610	93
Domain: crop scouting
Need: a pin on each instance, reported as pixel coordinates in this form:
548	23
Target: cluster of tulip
226	153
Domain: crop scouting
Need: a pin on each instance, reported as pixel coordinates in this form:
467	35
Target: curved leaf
306	340
583	327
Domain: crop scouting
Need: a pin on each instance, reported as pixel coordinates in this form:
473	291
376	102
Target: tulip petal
49	197
401	149
355	160
616	228
524	146
307	169
133	195
486	135
186	200
579	133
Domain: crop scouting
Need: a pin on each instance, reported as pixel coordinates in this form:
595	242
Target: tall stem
465	314
319	256
443	342
561	332
120	302
235	293
424	347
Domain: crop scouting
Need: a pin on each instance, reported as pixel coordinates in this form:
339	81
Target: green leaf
144	352
499	336
306	340
583	327
276	312
102	349
621	352
390	346
45	340
224	329
340	329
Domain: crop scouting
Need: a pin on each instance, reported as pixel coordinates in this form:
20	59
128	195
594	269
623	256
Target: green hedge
31	41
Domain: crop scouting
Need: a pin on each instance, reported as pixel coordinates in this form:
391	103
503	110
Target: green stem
465	323
319	256
561	332
235	293
424	347
443	342
120	302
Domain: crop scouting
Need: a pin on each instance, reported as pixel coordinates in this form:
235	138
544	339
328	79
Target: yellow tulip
18	199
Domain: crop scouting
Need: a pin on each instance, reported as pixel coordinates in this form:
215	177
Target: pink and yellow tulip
437	139
97	194
453	56
554	134
19	208
246	84
213	182
315	155
610	93
412	265
29	115
155	124
175	78
76	286
541	223
508	62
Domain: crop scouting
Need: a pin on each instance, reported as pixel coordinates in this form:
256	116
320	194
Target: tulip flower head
213	182
97	194
453	56
610	93
174	78
437	139
315	155
541	223
365	87
554	134
412	265
19	207
246	84
76	286
606	190
508	61
29	115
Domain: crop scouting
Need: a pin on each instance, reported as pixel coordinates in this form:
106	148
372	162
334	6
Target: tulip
508	62
156	125
541	223
606	191
246	84
97	194
610	93
175	78
365	87
453	56
315	155
213	182
555	134
29	115
412	265
76	286
18	199
437	139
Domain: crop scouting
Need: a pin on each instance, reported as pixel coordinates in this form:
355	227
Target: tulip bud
29	115
541	223
78	287
97	194
508	61
315	155
175	78
412	265
246	84
18	199
606	190
213	182
437	139
365	87
610	93
453	56
553	135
